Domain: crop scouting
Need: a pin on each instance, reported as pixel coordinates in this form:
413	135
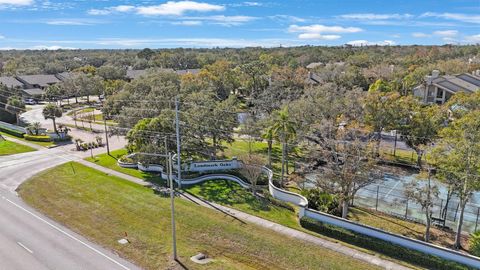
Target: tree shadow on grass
228	193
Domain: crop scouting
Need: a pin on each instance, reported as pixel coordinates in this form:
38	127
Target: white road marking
23	246
67	234
390	191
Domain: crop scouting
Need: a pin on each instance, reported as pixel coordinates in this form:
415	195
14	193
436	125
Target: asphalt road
31	241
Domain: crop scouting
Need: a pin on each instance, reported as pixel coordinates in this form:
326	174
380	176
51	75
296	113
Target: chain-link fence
392	200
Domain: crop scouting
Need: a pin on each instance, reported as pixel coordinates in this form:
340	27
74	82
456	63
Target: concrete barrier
400	240
150	167
285	195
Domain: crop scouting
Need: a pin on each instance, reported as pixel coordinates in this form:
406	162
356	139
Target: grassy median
11	148
103	207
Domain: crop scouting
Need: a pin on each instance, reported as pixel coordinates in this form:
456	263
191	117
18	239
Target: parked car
30	101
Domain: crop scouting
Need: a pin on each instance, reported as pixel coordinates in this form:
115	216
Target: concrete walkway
374	260
32	145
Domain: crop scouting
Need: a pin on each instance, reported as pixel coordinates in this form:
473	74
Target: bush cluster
475	243
39	138
380	246
12	132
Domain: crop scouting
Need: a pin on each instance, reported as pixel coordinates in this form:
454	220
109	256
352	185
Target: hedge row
12	132
380	246
41	138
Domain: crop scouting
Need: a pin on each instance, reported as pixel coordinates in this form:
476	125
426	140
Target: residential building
38	81
440	88
11	82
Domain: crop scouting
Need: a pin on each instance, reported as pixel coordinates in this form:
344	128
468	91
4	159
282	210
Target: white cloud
287	18
469	18
123	8
318	28
372	16
317	31
191	42
420	35
71	22
318	36
188	23
51	48
369	43
177	8
222	19
446	33
109	10
2	37
473	39
16	2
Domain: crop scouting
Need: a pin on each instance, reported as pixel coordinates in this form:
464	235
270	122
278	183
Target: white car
30	101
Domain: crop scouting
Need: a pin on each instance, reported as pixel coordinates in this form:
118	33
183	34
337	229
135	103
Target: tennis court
387	195
392	200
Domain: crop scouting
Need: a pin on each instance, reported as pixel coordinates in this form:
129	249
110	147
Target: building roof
40	80
11	82
63	76
457	83
34	92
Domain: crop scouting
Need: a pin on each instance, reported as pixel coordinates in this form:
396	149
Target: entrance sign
214	165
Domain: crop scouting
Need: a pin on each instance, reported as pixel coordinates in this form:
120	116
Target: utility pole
106	133
177	127
172	199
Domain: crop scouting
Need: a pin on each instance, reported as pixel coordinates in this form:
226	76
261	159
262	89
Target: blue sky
51	24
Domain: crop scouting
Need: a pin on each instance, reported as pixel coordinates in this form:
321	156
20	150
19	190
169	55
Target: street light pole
177	128
106	134
172	199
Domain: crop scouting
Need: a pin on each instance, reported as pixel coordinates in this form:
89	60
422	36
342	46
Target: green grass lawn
10	148
103	207
403	227
110	161
233	195
241	147
44	144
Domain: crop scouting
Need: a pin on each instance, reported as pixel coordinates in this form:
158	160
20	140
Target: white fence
400	240
395	238
284	195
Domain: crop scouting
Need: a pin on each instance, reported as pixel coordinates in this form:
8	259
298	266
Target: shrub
475	243
40	138
321	201
12	132
380	246
126	159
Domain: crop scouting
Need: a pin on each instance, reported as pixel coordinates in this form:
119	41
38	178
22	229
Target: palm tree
284	131
268	134
51	111
35	128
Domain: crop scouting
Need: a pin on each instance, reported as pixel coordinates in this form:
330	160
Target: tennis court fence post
406	210
476	221
440	210
376	201
456	211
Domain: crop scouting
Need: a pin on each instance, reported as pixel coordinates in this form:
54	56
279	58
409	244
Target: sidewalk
32	145
374	260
